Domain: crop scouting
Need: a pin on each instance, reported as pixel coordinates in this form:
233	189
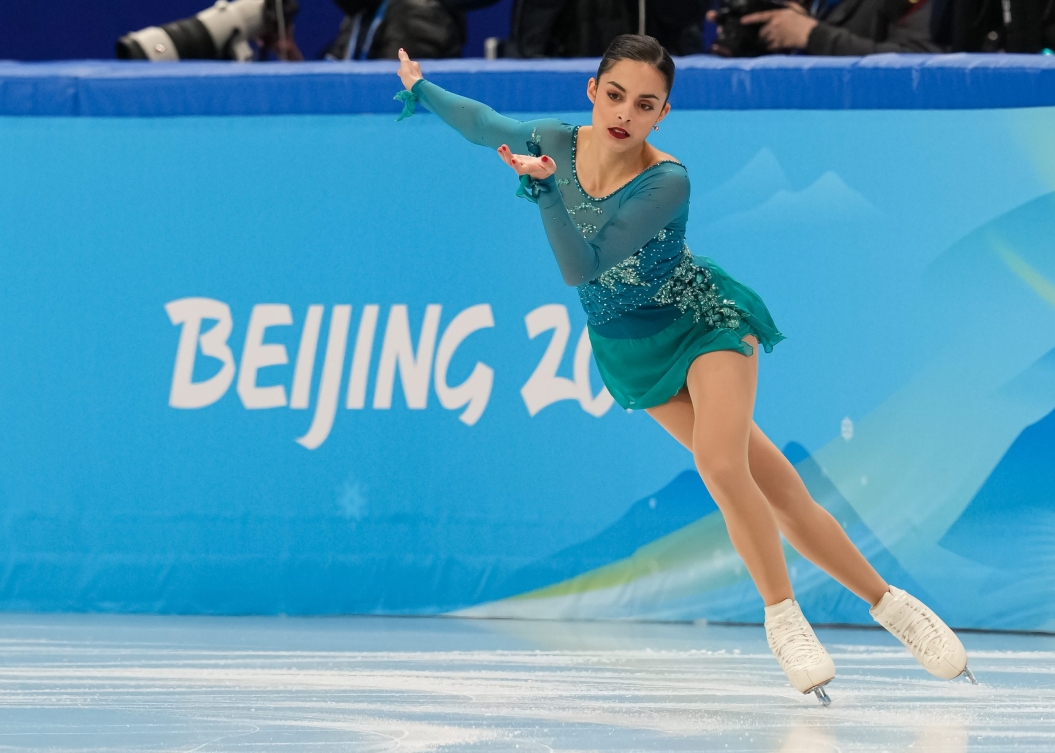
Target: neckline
575	172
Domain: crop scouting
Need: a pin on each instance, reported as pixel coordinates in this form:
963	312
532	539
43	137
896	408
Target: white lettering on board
429	361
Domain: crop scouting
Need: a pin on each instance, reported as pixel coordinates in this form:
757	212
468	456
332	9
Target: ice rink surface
149	683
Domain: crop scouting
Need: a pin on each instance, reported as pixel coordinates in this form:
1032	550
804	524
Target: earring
655	127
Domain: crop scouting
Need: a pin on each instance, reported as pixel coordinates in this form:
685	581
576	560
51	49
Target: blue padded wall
270	352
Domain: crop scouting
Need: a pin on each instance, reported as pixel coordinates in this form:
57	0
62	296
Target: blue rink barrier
904	82
270	352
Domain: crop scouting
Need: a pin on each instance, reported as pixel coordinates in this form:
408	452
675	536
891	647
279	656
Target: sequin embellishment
534	146
690	289
626	272
584	206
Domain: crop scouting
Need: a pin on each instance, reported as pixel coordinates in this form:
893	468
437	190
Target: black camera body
742	41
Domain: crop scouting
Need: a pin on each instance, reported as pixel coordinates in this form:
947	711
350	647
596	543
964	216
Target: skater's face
628	100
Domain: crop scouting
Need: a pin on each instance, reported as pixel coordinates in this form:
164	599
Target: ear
591	89
663	112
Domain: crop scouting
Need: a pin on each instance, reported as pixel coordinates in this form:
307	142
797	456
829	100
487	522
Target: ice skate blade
821	694
969	675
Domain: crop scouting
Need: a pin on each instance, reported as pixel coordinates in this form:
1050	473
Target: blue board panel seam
879	82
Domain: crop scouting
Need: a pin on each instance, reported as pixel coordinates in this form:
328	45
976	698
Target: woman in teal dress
674	335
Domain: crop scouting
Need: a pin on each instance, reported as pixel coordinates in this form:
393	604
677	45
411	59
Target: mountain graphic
1027	229
995	528
752	185
828	201
661	560
676	505
1009	524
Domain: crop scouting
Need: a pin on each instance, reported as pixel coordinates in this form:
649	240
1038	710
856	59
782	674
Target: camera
221	32
742	40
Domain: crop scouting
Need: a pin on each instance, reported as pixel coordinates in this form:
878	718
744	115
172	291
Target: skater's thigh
677	417
722	388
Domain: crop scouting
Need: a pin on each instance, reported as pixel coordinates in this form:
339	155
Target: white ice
148	683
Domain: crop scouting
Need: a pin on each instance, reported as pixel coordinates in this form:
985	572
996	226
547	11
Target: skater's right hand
536	167
409	71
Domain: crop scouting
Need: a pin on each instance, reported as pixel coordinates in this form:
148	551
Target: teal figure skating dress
651	306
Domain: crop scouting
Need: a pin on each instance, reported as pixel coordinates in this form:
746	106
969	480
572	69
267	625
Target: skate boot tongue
793	642
922	632
773	610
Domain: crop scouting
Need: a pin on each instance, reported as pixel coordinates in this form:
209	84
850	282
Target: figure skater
674	335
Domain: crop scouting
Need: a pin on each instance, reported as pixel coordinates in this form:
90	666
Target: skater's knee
721	471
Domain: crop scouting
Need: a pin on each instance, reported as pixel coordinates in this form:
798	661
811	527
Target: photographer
378	29
843	27
585	28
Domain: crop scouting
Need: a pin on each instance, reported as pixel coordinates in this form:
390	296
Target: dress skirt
645	372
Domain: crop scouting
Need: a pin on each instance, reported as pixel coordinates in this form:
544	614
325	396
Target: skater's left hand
536	167
409	71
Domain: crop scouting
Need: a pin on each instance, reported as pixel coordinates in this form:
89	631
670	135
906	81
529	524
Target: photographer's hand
787	29
409	71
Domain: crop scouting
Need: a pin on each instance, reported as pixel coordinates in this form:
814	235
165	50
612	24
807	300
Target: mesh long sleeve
476	121
650	206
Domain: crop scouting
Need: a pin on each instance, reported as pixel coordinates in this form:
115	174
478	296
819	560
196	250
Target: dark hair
642	48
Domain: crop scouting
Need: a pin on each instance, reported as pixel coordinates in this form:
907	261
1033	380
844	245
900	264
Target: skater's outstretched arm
474	120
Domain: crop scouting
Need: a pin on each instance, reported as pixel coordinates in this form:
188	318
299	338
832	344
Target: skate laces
793	640
920	630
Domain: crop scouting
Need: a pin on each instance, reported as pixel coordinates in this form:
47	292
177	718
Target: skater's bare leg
722	388
808	527
819	538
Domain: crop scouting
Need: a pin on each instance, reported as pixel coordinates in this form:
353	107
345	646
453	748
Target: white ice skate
929	639
801	655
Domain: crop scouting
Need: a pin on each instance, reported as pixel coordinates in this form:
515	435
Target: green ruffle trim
530	188
409	99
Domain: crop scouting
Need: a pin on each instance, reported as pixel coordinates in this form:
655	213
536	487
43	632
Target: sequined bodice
633	283
661	274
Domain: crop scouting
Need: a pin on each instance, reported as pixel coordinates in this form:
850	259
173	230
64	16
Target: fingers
403	56
510	159
505	154
536	167
758	18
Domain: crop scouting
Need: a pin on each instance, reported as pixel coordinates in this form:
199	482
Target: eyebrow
643	96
